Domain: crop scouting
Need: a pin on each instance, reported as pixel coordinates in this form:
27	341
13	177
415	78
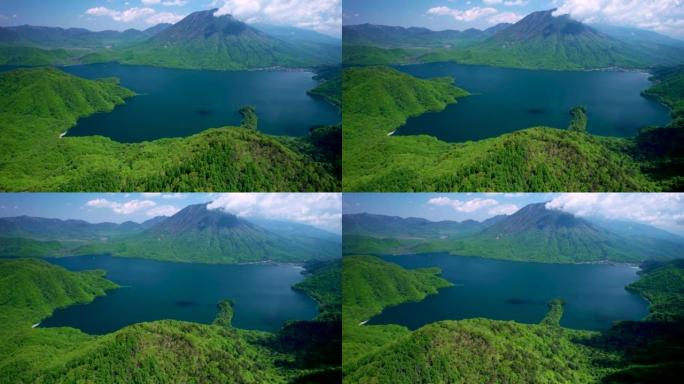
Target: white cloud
317	209
471	205
504	209
151	194
173	196
505	17
176	3
462	15
126	208
320	15
162	210
664	210
150	2
515	3
492	2
164	17
665	16
125	16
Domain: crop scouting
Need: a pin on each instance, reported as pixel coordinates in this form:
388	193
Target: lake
154	290
594	294
505	100
177	103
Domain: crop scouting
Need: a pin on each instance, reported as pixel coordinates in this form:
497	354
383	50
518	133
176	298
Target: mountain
380	226
151	31
194	234
69	38
541	40
631	229
637	35
202	40
294	34
533	233
412	37
291	228
199	234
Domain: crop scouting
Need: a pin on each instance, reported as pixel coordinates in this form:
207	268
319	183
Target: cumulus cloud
320	15
125	16
125	208
664	210
471	205
150	2
164	17
666	16
470	14
504	209
162	210
505	17
318	209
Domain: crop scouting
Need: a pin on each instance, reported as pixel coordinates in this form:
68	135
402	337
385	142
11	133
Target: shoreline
35	325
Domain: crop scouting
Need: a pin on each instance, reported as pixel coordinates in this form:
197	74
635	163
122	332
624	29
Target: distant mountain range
533	233
194	234
200	40
539	40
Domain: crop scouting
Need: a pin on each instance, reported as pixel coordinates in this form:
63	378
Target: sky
663	16
324	16
662	210
322	210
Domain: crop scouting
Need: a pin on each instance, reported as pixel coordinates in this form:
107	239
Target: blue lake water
594	294
154	290
505	100
177	103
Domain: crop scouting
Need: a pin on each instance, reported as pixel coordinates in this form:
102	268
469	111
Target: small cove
594	294
154	290
179	103
505	100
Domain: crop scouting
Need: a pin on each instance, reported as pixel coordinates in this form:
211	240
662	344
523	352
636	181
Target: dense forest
378	100
160	351
38	105
479	350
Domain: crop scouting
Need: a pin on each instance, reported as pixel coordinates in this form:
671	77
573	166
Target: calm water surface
176	103
505	100
595	295
153	290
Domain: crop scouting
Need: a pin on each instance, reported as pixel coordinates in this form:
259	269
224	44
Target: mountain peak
537	217
543	24
198	217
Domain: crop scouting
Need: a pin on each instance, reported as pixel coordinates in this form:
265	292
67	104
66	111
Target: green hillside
483	350
153	352
38	105
533	233
378	100
540	40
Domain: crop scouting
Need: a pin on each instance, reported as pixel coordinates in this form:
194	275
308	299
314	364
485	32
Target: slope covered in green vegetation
540	40
533	233
378	100
153	352
483	350
369	285
38	105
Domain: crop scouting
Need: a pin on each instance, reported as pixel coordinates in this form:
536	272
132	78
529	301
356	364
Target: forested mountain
533	233
69	38
199	41
539	40
365	224
414	37
193	234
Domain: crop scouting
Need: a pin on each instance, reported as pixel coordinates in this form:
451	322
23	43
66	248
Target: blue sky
664	16
324	16
322	210
663	210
